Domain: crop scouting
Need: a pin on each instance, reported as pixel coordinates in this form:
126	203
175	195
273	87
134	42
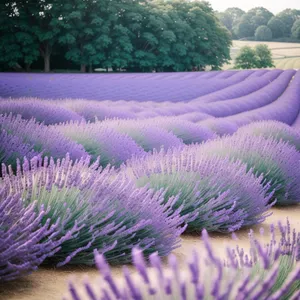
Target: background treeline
260	24
111	34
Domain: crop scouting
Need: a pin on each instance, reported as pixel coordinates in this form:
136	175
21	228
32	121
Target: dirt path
50	283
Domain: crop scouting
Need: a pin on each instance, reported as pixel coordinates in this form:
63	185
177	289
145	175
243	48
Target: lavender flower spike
249	279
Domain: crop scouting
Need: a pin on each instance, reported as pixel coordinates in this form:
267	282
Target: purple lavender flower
218	195
243	276
43	138
27	237
12	147
48	112
187	131
113	148
220	126
272	129
276	160
105	208
149	137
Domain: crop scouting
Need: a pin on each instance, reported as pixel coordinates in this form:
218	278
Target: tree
296	29
264	56
18	48
249	58
230	17
263	33
288	18
259	16
244	28
276	26
246	58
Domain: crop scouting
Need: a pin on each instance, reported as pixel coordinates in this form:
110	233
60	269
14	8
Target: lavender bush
27	237
267	272
43	139
187	131
106	210
276	160
217	194
114	148
220	126
12	147
272	129
149	137
48	112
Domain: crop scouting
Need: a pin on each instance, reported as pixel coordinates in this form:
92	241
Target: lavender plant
48	112
149	137
217	194
43	139
272	129
187	131
27	237
276	160
105	208
267	272
12	147
113	148
220	126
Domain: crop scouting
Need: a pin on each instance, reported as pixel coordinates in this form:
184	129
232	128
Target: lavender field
133	169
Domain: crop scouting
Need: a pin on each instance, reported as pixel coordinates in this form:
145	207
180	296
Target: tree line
136	35
260	24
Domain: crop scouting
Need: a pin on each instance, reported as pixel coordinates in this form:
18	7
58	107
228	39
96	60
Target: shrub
277	161
25	240
47	112
219	195
272	129
113	148
43	139
267	272
149	137
106	210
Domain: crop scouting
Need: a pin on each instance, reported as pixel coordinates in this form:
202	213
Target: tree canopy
245	24
121	34
252	58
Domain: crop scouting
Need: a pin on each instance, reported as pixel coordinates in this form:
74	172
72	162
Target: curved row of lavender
269	271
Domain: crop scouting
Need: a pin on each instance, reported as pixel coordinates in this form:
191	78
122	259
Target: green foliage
263	33
246	58
134	35
296	29
276	26
244	29
288	18
264	56
250	58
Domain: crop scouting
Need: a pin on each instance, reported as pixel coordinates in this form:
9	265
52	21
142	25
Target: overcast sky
274	6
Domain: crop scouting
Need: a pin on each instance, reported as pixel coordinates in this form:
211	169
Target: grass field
285	55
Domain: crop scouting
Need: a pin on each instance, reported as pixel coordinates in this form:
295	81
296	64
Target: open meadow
150	185
285	55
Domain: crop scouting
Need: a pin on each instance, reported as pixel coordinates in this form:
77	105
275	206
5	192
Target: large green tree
230	17
263	33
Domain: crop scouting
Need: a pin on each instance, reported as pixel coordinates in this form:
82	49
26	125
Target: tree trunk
47	63
90	68
83	68
27	67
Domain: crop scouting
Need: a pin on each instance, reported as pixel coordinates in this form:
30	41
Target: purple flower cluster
217	194
99	140
42	138
272	130
267	272
47	112
278	161
104	209
25	240
12	147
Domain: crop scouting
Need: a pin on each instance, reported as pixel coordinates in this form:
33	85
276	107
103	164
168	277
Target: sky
275	6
